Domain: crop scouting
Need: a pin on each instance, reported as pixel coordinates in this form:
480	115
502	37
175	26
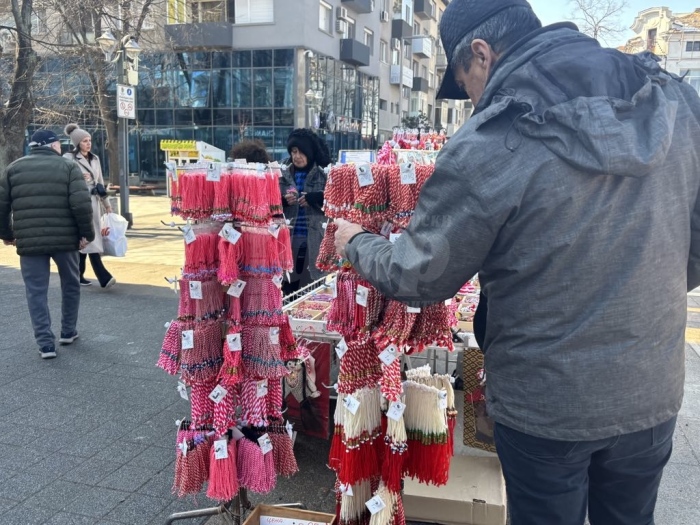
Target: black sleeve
315	199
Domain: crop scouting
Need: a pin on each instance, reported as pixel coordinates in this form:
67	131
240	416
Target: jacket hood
600	110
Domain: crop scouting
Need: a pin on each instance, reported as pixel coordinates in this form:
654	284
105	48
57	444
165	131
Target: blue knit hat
43	137
460	18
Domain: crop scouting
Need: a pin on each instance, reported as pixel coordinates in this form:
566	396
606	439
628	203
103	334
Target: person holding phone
92	173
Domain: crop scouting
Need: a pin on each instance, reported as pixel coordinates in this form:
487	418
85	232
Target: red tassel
223	475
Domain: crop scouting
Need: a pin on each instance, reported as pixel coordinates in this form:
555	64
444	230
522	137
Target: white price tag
408	173
214	172
261	388
396	410
218	394
230	233
236	289
277	279
182	390
189	234
274	230
389	355
221	449
241	161
364	175
234	342
334	288
375	505
341	348
352	404
188	339
196	290
265	443
183	448
288	428
442	400
393	237
412	310
448	302
275	335
346	489
362	295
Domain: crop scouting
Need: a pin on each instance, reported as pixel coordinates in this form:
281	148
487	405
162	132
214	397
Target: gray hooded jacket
573	192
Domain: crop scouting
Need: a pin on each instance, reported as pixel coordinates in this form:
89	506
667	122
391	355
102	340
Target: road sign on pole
126	101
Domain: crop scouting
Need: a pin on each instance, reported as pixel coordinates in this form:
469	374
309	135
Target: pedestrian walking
302	189
92	172
574	191
45	212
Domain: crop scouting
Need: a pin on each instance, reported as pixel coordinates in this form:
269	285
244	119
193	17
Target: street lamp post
127	54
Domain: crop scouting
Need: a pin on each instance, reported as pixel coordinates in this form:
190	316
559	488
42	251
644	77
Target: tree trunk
15	117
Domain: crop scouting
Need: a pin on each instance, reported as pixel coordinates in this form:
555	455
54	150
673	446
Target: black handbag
99	189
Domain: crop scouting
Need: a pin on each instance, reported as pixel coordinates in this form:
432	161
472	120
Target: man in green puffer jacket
45	211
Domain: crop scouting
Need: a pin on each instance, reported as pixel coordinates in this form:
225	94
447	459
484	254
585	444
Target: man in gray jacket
45	211
573	191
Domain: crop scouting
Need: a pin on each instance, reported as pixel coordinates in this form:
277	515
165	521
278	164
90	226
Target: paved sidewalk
88	438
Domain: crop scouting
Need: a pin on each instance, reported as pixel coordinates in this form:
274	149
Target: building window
209	11
431	80
392	107
692	77
384	51
414	105
450	112
651	40
382	104
415	68
254	11
369	41
424	72
429	114
350	33
38	21
395	57
406	92
407	51
416	29
325	17
692	46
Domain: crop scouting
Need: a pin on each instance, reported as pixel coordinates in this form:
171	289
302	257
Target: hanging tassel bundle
201	257
432	327
328	260
360	432
360	367
283	452
396	325
387	515
225	412
335	456
187	309
256	471
192	467
273	399
253	406
175	197
428	456
211	306
202	407
288	343
390	383
197	194
261	303
262	352
353	510
223	474
221	207
284	245
169	358
371	201
229	259
259	253
346	315
231	372
274	197
339	195
233	310
202	362
395	447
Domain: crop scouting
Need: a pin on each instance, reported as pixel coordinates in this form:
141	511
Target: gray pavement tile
127	478
138	509
691	401
6	474
7	504
183	505
19	434
57	495
14	457
160	485
121	451
27	515
154	458
91	471
151	433
23	485
65	518
82	448
151	373
96	501
56	464
678	498
682	451
691	429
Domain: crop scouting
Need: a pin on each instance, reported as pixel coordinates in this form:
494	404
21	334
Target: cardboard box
272	515
474	495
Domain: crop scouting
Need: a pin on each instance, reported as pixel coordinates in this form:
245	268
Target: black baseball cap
43	137
461	17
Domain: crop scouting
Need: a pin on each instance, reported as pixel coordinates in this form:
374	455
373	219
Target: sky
551	11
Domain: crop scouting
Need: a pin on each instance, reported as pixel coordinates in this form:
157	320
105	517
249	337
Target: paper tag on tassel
182	390
352	404
341	348
389	355
376	504
265	444
346	489
334	288
274	230
221	449
183	447
408	173
234	342
396	410
236	289
230	233
196	290
188	339
362	295
189	234
218	394
277	280
261	388
275	335
214	172
442	400
289	429
364	175
393	237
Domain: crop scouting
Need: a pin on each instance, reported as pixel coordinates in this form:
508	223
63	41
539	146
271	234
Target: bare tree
17	105
600	19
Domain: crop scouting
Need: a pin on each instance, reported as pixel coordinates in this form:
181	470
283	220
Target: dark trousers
36	272
555	482
103	276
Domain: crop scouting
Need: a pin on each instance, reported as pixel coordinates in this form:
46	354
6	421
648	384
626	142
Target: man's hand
302	201
108	208
105	232
291	197
10	243
346	230
83	243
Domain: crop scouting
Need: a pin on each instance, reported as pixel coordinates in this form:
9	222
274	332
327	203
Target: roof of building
691	19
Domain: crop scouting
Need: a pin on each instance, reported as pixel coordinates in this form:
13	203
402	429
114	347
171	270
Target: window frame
323	5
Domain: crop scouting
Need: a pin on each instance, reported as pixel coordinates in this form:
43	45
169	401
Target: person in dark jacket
251	151
45	211
574	191
302	189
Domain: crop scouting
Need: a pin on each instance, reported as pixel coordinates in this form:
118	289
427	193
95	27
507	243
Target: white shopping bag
115	241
